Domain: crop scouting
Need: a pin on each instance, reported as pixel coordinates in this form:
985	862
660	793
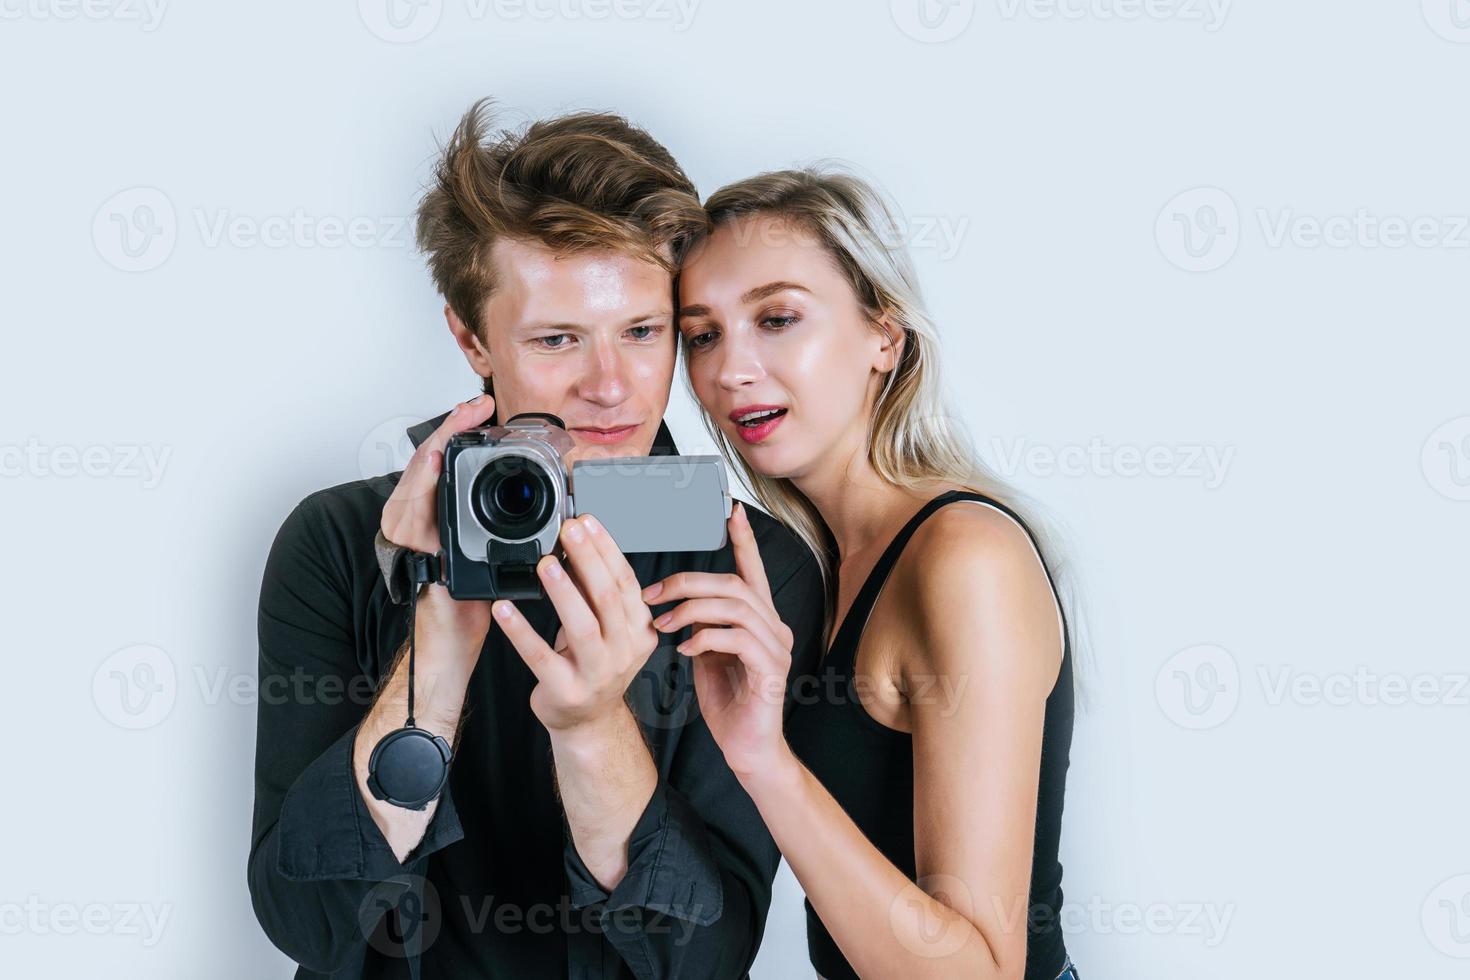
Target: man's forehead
533	282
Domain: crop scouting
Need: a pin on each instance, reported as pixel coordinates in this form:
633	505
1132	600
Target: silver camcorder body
505	491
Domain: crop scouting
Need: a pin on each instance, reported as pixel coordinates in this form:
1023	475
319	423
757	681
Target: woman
916	790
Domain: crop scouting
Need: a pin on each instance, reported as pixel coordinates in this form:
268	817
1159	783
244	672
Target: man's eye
554	341
643	332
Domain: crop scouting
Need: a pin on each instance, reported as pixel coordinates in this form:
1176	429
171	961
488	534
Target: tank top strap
843	651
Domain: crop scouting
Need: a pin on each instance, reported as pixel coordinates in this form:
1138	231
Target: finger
635	610
718	612
465	415
593	575
735	641
701	585
543	661
748	554
576	618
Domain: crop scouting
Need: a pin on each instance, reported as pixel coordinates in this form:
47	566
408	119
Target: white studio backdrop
1200	268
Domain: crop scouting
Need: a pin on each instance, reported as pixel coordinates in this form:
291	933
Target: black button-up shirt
496	887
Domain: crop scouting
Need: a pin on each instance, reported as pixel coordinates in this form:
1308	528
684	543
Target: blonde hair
914	441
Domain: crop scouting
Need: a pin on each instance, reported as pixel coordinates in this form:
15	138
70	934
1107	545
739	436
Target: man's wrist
589	739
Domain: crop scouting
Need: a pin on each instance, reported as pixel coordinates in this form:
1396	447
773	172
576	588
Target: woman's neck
859	507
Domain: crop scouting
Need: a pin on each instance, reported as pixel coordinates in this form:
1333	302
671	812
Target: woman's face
780	352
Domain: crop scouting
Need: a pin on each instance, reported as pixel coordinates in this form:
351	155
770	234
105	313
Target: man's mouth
755	422
605	435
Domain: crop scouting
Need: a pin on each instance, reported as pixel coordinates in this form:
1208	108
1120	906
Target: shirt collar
663	440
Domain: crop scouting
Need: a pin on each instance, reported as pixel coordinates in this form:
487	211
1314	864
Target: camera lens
513	497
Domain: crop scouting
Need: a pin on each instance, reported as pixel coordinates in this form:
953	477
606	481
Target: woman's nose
740	364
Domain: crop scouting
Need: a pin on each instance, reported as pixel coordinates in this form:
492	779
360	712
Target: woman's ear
469	343
891	353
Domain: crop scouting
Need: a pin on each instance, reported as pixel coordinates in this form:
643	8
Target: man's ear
469	343
891	352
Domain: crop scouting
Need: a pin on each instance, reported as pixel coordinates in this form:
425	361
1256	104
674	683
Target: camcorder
505	490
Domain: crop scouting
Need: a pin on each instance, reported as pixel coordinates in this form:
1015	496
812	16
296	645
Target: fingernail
663	620
653	590
681	648
574	530
455	409
501	609
592	526
554	569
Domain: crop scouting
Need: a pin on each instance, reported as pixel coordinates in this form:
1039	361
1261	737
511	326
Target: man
589	826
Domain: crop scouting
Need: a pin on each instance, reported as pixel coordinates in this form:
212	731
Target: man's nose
606	380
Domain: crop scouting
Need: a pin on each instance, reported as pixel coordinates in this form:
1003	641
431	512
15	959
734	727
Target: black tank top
869	768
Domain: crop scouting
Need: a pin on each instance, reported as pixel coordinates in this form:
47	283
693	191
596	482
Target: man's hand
411	520
604	772
448	633
606	631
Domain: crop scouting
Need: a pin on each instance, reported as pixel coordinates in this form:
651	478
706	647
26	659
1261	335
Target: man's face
588	337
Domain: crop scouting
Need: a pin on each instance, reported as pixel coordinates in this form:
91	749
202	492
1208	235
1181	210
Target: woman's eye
698	340
643	332
779	321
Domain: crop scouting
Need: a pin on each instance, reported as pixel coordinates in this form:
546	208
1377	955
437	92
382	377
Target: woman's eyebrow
754	295
761	292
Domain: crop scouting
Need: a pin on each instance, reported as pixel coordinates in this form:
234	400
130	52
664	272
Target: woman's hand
741	651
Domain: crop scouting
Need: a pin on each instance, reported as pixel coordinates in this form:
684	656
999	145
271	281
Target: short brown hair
571	183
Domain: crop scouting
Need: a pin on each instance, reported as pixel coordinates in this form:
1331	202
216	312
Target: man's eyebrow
749	296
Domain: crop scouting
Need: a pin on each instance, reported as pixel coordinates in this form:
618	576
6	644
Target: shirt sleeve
321	874
700	859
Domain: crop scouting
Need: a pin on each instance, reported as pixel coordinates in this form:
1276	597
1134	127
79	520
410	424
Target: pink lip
754	434
606	437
